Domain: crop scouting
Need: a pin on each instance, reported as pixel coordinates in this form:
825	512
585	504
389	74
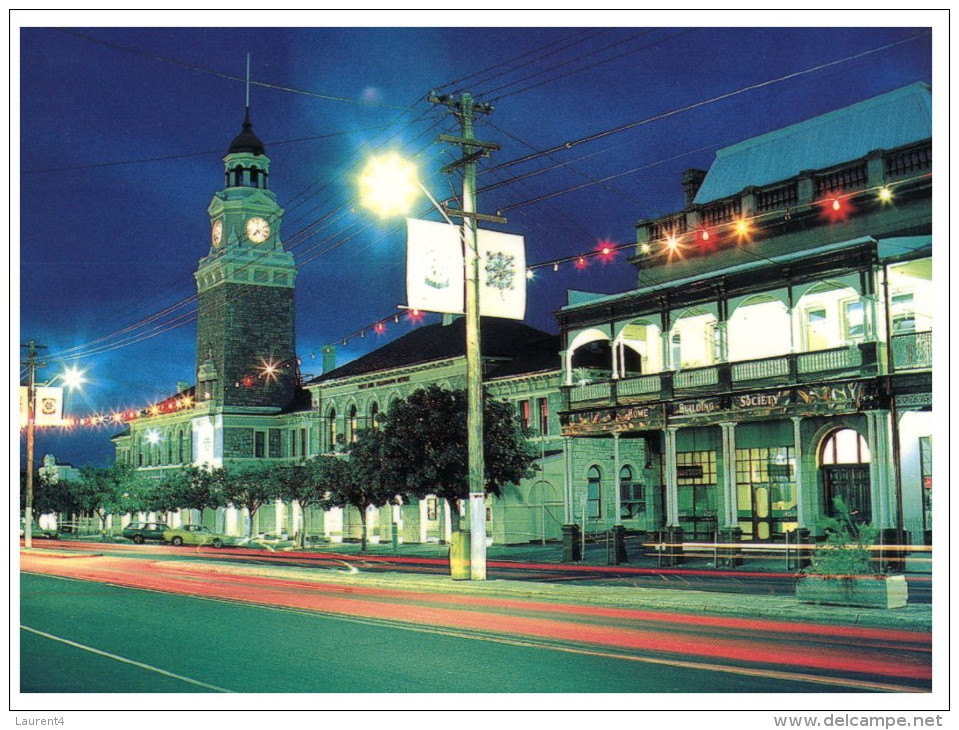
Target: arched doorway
844	462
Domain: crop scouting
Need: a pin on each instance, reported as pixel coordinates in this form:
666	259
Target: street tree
424	446
195	487
307	483
252	487
104	491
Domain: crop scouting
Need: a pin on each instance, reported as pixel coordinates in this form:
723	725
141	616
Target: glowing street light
388	185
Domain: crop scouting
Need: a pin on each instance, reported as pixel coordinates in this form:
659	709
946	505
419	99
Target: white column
797	451
568	366
278	516
231	521
730	492
881	475
672	491
617	497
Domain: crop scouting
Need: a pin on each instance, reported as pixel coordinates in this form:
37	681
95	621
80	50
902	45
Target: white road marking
148	667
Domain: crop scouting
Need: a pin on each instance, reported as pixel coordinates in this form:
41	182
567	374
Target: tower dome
246	141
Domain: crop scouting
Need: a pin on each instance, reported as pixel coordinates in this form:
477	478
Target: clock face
257	230
217	233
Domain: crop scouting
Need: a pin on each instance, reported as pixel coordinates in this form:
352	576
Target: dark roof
499	338
538	356
246	140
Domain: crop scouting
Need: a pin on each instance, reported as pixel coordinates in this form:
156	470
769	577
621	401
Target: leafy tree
424	446
50	495
252	488
104	491
195	487
307	482
361	482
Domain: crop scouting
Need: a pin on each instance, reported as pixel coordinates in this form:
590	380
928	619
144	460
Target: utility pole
465	109
32	364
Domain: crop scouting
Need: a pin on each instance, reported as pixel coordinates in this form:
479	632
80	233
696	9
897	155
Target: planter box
870	591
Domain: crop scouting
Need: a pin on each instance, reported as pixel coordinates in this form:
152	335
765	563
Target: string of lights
737	232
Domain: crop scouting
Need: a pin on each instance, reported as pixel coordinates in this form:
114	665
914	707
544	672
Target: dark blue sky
122	131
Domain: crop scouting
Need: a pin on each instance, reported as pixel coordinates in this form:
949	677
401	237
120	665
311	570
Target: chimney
329	358
692	181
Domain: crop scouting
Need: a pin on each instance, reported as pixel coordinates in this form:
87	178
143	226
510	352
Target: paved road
189	627
695	577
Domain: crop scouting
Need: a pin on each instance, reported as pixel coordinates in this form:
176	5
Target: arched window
352	435
374	414
844	460
594	506
179	448
845	446
331	428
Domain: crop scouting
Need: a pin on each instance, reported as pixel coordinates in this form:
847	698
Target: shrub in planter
841	571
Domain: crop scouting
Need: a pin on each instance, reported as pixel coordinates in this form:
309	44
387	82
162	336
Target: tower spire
248	86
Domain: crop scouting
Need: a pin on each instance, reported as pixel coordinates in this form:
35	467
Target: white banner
434	267
502	274
48	406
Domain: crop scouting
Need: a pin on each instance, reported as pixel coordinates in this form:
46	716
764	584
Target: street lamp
389	185
72	378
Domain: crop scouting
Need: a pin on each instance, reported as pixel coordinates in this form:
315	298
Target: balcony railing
590	392
840	358
696	378
771	367
912	351
643	385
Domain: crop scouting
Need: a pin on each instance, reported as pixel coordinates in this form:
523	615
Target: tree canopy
424	446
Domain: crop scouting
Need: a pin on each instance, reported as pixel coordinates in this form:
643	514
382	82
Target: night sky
122	133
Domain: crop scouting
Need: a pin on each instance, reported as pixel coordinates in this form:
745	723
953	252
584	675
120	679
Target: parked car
36	530
196	535
140	532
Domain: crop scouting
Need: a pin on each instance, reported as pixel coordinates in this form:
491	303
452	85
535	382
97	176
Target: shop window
543	405
766	490
853	320
632	494
594	490
696	492
431	505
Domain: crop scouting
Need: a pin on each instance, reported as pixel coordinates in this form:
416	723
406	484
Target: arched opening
695	340
331	429
594	493
844	462
758	314
374	415
351	433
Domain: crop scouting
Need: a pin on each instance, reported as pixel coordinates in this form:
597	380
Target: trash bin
572	547
460	555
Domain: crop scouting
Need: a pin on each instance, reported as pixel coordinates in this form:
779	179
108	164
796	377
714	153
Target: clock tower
246	352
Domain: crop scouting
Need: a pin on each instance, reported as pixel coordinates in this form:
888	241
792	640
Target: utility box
572	544
460	555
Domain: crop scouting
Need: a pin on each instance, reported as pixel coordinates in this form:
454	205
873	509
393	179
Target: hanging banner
502	265
48	406
434	267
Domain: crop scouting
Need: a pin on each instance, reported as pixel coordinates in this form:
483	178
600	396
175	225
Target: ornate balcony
912	351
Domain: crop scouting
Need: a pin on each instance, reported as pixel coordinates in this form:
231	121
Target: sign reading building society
435	278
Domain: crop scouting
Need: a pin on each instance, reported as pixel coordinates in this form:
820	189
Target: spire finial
247	85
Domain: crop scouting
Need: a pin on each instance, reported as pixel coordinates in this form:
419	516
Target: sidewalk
913	617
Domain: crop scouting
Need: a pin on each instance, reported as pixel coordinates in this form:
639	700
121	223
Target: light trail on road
854	657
